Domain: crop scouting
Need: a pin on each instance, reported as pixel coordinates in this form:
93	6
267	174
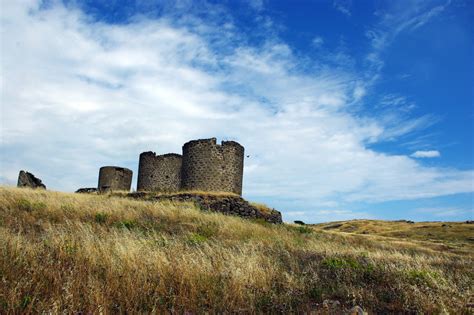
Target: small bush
422	277
208	230
299	229
196	239
26	205
304	230
127	224
100	217
25	301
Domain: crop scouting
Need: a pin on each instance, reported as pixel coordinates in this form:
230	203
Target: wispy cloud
317	41
396	18
339	215
445	212
426	154
343	6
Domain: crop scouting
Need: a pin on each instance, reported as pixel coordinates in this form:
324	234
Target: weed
126	224
196	239
26	205
341	263
422	277
100	217
304	230
25	301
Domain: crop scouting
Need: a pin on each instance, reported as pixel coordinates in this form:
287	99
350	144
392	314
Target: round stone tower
114	178
159	172
212	167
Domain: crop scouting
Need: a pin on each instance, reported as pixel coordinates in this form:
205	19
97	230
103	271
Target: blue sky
347	109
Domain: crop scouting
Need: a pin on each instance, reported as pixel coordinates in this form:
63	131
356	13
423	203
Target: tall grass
96	253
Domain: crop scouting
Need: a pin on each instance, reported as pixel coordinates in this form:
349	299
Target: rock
299	222
356	310
332	306
405	221
87	190
26	179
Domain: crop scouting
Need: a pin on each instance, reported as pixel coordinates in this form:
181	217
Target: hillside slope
74	253
448	236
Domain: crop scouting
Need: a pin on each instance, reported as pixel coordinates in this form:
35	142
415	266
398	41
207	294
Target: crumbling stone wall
114	178
159	172
26	179
230	204
209	166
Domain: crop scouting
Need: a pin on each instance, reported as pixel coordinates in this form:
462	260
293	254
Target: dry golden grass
75	253
451	236
262	207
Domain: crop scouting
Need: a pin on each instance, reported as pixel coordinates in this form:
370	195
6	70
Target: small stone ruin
26	179
114	178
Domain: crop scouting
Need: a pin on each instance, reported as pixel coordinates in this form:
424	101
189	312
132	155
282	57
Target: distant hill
81	253
451	236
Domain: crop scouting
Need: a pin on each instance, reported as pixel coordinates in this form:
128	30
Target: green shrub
304	230
127	224
422	277
70	248
26	205
25	301
100	217
196	239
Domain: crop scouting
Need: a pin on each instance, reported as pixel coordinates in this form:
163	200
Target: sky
346	109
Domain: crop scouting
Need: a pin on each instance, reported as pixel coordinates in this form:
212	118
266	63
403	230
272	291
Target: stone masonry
159	172
209	166
226	204
26	179
204	165
114	178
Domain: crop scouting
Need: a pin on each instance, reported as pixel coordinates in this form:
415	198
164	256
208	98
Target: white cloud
317	42
445	212
343	6
339	215
426	154
79	94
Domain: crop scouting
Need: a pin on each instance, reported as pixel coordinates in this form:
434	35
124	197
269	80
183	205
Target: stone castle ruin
204	165
26	179
159	172
114	178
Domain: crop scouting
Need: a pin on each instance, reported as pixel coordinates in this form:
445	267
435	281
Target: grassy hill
72	253
444	236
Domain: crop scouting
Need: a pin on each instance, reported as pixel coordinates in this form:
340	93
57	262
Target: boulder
26	179
87	190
